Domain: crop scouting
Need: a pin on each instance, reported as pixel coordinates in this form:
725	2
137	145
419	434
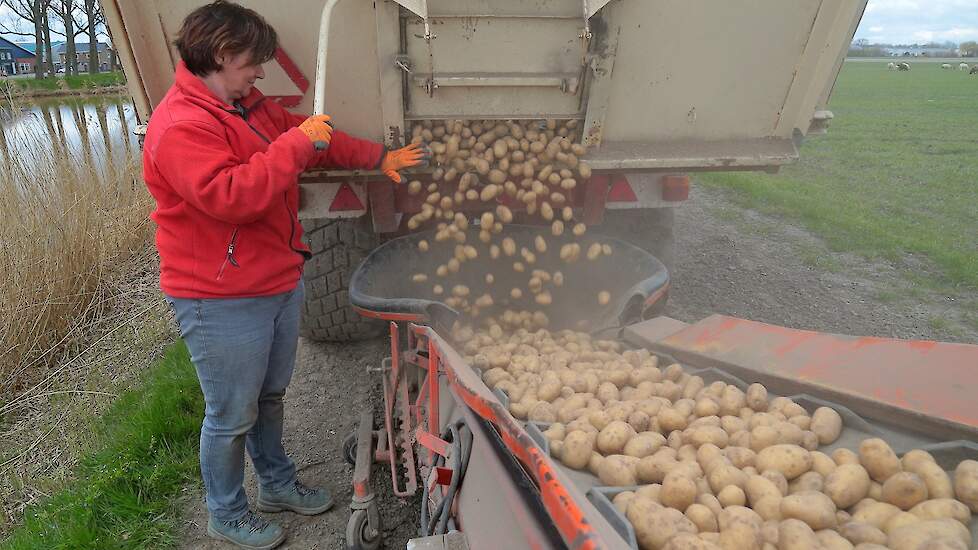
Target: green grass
124	493
896	175
98	80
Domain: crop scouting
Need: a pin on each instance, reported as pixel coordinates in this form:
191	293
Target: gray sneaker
251	532
296	498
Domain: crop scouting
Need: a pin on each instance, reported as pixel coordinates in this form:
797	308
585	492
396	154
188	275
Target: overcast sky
920	21
892	21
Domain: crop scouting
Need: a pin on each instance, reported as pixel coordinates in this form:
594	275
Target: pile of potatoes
486	173
715	466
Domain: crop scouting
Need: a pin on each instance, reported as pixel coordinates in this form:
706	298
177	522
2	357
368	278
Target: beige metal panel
515	102
544	8
497	45
353	86
703	70
121	42
813	68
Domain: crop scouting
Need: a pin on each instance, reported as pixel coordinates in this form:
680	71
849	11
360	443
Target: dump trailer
661	89
655	90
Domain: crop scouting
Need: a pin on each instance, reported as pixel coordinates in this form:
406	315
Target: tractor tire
338	246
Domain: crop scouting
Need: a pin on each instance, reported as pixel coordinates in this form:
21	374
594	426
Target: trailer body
662	87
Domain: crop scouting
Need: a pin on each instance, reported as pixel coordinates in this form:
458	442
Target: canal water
94	130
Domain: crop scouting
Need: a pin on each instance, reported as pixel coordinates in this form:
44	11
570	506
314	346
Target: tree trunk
71	59
38	38
48	50
93	58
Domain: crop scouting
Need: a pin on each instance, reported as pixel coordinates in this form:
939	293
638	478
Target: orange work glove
409	156
319	130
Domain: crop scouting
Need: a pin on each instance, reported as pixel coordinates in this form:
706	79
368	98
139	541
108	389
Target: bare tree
33	12
95	19
68	12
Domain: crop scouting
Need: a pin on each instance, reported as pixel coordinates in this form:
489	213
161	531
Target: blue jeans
244	352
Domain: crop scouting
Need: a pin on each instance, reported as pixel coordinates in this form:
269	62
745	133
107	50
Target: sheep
963	67
891	66
974	70
903	66
946	66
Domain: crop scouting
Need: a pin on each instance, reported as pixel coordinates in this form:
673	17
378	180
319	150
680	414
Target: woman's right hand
319	130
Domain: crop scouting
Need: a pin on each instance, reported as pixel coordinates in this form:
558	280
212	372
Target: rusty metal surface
922	385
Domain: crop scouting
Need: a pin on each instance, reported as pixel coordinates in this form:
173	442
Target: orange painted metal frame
935	380
389	316
567	516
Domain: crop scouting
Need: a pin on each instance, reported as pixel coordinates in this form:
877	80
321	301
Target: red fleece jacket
225	180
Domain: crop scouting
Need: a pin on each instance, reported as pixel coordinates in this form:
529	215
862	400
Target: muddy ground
729	260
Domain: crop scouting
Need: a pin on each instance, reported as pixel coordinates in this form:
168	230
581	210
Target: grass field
71	82
144	453
896	175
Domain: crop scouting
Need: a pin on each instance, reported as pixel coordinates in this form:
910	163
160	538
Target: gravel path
728	260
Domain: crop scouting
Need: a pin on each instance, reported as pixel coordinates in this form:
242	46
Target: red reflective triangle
621	191
346	199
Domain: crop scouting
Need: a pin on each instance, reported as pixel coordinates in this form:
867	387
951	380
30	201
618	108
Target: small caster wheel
350	448
359	534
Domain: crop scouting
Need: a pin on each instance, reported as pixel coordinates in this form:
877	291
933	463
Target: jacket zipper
229	257
243	113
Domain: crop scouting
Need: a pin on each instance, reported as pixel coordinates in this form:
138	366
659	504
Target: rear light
621	191
345	200
675	188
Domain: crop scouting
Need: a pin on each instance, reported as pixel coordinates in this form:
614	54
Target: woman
223	163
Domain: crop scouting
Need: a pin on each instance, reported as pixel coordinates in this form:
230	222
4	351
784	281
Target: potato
740	537
613	437
616	471
942	508
857	532
707	434
794	534
935	478
914	536
875	513
731	495
830	540
678	491
756	397
702	517
789	460
822	463
650	491
827	425
879	459
847	485
899	520
904	490
944	543
542	411
966	483
812	507
844	456
808	481
594	463
653	468
758	488
578	446
769	508
724	475
687	541
644	444
656	526
621	500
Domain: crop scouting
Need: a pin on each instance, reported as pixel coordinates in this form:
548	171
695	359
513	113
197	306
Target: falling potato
419	277
604	297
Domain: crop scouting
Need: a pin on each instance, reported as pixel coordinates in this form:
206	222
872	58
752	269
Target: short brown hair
223	28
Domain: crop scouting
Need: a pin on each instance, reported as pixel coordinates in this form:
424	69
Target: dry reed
69	221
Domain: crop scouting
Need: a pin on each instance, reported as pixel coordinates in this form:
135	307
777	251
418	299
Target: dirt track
728	261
